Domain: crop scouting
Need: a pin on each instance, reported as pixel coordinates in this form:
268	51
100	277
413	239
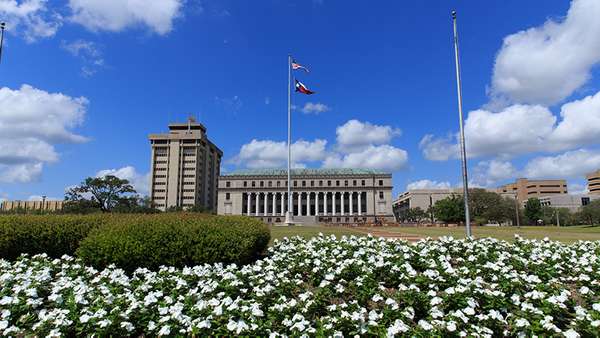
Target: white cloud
31	18
355	135
522	129
546	64
428	184
140	182
20	173
32	121
118	15
571	164
577	188
273	154
88	52
314	108
383	157
491	173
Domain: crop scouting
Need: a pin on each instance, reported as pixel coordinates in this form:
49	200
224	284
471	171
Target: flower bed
320	287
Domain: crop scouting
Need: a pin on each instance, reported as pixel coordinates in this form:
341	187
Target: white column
282	203
342	197
299	204
351	206
317	203
333	200
248	211
274	204
325	203
257	204
360	203
266	205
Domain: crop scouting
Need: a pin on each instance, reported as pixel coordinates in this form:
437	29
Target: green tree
590	213
450	209
412	215
100	193
533	210
486	206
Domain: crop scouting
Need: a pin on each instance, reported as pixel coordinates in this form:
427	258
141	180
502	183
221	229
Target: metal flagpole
2	27
288	214
463	152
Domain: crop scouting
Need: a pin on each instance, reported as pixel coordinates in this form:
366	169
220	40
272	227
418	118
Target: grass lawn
563	234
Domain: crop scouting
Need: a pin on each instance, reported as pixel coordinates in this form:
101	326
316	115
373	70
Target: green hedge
55	235
174	239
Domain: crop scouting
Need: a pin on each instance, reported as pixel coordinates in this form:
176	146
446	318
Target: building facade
426	198
44	205
571	202
185	167
526	189
318	195
593	182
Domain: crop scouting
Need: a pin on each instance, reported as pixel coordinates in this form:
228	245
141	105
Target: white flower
451	326
596	307
522	322
376	298
3	324
84	318
425	325
571	334
396	328
127	326
164	331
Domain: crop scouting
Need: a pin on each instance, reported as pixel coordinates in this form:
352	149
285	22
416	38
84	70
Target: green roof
305	172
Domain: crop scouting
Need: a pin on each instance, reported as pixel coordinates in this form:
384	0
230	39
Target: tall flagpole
288	214
463	152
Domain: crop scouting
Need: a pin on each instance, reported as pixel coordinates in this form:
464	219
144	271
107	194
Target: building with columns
348	196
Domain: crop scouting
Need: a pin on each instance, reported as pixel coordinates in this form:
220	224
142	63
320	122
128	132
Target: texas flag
300	87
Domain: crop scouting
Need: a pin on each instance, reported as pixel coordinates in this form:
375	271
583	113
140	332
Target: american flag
296	66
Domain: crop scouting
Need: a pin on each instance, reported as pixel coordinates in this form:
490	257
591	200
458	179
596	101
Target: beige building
593	182
318	195
185	167
44	205
571	202
426	198
526	189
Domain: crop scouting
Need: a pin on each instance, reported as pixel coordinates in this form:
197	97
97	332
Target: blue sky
85	81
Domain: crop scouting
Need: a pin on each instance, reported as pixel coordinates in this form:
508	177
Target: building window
381	182
304	183
253	184
346	183
295	183
270	184
312	183
320	183
227	196
228	184
381	195
329	183
337	183
262	184
363	183
245	184
278	184
354	183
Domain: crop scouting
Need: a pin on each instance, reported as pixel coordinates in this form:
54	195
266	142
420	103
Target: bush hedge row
132	241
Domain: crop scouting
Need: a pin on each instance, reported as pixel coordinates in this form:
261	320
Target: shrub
174	239
55	235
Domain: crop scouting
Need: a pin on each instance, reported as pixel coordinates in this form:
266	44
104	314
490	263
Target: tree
101	193
450	209
533	210
411	215
591	213
486	206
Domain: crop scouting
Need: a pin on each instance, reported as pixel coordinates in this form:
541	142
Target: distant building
526	189
426	198
571	202
185	167
593	182
318	195
45	205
